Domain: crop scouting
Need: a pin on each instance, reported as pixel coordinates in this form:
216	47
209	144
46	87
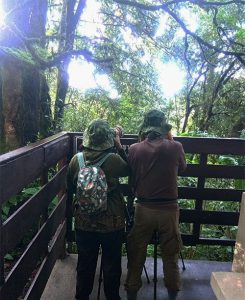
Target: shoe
131	295
172	295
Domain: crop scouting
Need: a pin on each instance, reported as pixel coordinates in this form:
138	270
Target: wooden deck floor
196	280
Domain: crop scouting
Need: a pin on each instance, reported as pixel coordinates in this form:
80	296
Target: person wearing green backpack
98	226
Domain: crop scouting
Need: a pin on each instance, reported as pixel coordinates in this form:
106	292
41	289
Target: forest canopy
130	43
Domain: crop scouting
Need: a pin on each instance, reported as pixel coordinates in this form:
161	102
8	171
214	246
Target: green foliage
200	252
207	252
8	257
15	202
25	56
19	54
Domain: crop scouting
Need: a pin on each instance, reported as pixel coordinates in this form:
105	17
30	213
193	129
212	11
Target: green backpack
91	194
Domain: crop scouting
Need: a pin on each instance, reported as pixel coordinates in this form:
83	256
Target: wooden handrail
46	161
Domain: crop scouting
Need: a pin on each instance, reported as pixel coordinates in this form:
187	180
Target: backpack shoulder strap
80	159
103	159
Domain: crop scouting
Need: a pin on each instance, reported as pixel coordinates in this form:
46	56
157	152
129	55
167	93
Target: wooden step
239	253
228	285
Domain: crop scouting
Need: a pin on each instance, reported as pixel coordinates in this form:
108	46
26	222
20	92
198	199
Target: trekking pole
183	263
100	279
155	264
146	274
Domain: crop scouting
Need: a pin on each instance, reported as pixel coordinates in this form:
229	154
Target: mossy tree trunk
1	113
22	83
12	98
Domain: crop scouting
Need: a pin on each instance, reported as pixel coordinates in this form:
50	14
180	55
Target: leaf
31	191
228	160
240	184
8	257
5	210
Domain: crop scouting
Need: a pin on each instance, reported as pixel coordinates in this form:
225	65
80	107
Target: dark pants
88	244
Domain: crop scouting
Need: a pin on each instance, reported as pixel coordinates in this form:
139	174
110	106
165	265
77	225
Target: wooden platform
228	285
196	280
231	285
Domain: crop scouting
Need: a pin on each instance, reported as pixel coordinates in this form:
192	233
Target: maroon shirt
155	166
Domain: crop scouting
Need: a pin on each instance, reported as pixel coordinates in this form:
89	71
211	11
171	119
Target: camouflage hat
155	120
98	136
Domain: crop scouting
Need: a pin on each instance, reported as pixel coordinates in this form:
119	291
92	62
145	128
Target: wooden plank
129	141
221	242
222	146
195	279
22	220
22	270
38	284
191	240
2	187
204	193
228	285
1	252
9	156
18	276
214	171
233	146
69	216
56	150
209	217
18	173
210	194
238	264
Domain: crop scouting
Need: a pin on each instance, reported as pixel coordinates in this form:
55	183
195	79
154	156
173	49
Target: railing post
69	214
61	164
199	200
43	181
1	252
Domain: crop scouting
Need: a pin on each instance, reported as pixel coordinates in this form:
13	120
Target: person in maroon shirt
155	164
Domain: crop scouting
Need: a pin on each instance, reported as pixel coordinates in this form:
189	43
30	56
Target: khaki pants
166	223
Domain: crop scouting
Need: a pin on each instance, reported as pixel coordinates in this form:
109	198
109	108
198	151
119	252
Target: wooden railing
203	149
39	228
43	226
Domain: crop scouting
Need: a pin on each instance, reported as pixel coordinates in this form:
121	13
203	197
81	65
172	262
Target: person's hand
118	134
118	130
117	141
170	136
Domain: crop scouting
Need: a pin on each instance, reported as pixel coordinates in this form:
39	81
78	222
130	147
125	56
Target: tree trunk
1	114
21	82
62	88
31	104
71	13
12	100
46	124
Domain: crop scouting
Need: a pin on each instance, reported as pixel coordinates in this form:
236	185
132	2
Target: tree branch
239	55
43	64
77	13
16	8
82	52
168	3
